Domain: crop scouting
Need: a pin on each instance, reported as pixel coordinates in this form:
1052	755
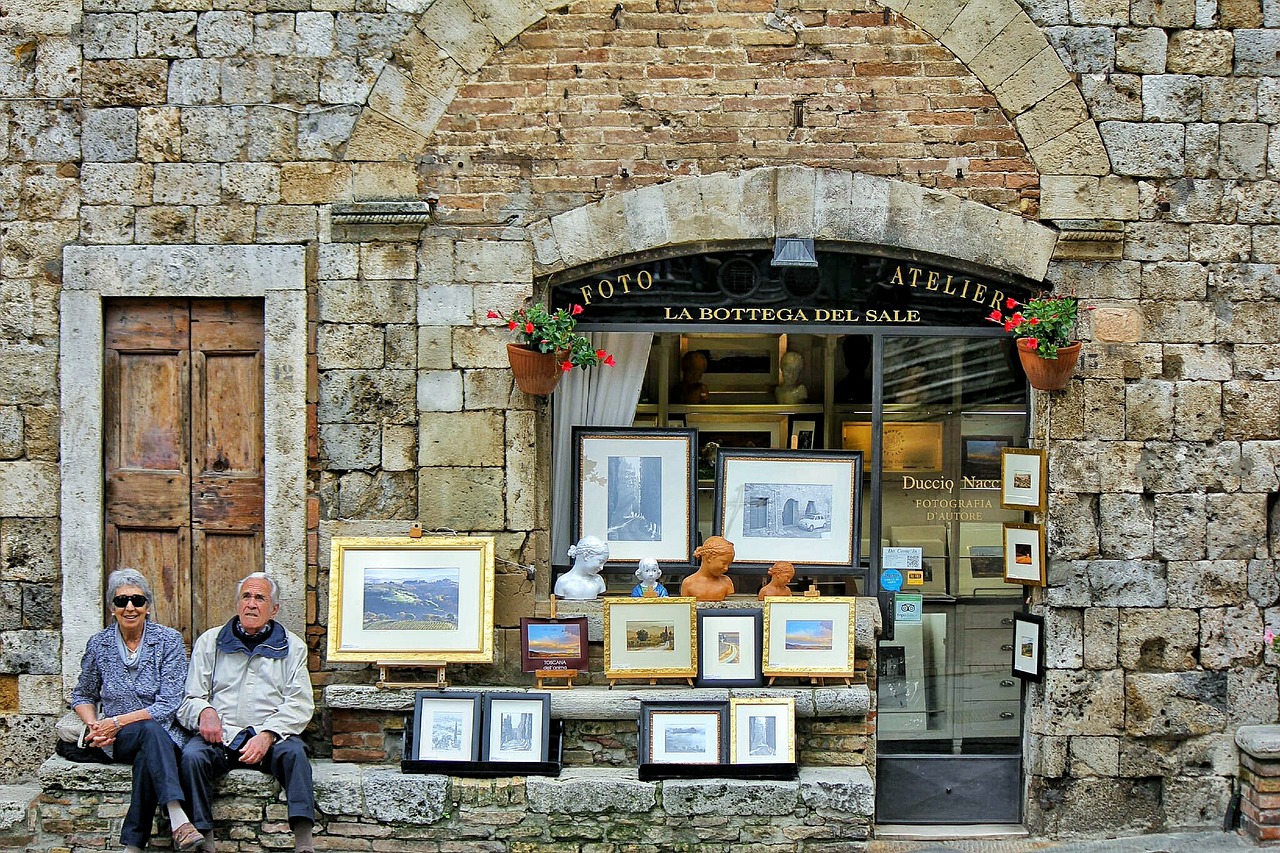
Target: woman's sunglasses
126	600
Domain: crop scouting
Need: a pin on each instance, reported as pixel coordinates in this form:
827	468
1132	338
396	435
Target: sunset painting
809	634
553	641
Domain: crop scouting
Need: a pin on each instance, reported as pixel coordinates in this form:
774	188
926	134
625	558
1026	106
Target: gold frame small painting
1024	555
809	636
427	600
751	743
650	637
1024	474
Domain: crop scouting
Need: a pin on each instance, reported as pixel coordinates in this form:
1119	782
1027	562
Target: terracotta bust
583	582
690	388
790	390
709	582
780	574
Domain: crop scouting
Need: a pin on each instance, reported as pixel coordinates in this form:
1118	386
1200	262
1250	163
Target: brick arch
791	201
995	39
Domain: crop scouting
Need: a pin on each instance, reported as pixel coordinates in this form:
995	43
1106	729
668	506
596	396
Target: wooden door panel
232	427
227	504
147	324
150	423
226	559
164	558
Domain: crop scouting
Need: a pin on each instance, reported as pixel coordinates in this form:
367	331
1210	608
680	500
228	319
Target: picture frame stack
742	738
483	735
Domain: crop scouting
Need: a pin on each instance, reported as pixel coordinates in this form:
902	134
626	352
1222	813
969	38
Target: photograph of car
817	521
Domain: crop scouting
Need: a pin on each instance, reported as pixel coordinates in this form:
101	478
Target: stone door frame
276	274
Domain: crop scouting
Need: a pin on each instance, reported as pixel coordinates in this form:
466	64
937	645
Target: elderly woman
137	670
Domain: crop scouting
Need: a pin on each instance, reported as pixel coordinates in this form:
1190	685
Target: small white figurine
648	573
790	391
583	582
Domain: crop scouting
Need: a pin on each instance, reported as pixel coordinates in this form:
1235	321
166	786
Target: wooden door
184	451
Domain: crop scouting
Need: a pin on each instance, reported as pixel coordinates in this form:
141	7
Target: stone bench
1259	781
376	807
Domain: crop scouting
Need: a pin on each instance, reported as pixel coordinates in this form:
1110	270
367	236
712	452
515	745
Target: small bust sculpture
583	582
780	574
690	388
648	573
790	390
709	582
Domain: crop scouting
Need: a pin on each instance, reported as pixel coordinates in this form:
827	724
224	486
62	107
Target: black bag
81	754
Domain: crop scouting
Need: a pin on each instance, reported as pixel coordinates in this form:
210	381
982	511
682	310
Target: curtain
598	396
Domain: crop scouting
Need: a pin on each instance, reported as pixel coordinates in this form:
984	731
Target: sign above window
844	289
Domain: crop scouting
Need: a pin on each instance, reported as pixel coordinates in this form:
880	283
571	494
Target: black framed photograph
1023	479
684	732
446	726
517	727
980	457
1028	646
801	506
730	648
635	490
553	643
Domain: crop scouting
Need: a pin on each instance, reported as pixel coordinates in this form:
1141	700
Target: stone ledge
620	703
729	797
1260	741
838	789
590	790
15	804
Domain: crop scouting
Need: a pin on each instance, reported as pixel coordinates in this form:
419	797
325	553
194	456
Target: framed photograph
737	362
517	726
650	637
683	732
809	636
804	434
1028	646
802	506
980	457
762	432
1024	558
1023	475
427	600
553	643
446	726
762	730
982	559
635	490
908	446
730	648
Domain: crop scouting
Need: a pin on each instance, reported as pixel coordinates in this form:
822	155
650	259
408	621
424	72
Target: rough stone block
388	261
445	305
1205	583
345	301
1075	535
1149	410
1084	50
1086	702
590	791
367	396
1180	526
1126	528
1207	52
1094	756
351	446
1158	640
1087	197
1171	98
1198	412
462	498
1156	241
1145	150
390	795
1141	51
1251	410
461	438
1194	467
1237	525
1175	704
1243	150
729	796
349	345
439	391
316	183
28	489
1257	53
1220	243
1064	638
494	262
1116	97
1101	637
31	652
382	494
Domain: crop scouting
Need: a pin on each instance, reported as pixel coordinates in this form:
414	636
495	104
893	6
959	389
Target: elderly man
249	698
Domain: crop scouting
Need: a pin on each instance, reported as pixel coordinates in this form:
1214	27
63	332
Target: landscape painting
650	636
730	647
420	599
809	634
516	732
554	640
686	740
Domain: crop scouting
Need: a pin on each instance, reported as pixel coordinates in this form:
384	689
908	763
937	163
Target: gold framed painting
762	730
809	636
650	637
1023	479
427	600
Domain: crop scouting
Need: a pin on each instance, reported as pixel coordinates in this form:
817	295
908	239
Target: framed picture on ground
650	638
553	643
1028	646
1023	477
411	600
762	730
730	646
635	491
809	636
683	732
800	506
446	726
1024	558
517	726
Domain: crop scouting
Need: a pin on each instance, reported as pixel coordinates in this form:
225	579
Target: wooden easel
565	675
385	682
814	680
651	681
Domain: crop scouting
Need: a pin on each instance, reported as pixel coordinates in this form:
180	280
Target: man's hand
210	726
256	747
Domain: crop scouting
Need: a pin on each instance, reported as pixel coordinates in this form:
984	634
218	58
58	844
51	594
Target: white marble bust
583	582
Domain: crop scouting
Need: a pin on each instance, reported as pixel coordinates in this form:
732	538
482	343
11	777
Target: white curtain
597	396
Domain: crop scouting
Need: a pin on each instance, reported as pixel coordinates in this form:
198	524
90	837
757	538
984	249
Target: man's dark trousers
286	760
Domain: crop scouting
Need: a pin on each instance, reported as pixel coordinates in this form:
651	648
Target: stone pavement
1173	842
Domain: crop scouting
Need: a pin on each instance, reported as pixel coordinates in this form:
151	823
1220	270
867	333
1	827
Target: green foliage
553	331
1046	322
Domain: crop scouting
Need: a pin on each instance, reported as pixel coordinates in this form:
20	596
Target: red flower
1017	318
1010	302
1032	343
494	315
1008	326
1034	320
608	359
600	354
511	324
994	316
528	328
575	310
566	366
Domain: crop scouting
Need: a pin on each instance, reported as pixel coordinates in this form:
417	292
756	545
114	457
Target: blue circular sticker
891	580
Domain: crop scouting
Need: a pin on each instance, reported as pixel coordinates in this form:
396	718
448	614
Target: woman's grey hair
262	576
128	577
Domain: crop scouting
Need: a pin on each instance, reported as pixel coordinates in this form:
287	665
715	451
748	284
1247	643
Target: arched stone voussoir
790	201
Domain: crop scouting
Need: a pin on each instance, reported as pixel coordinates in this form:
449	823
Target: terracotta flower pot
536	373
1048	374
